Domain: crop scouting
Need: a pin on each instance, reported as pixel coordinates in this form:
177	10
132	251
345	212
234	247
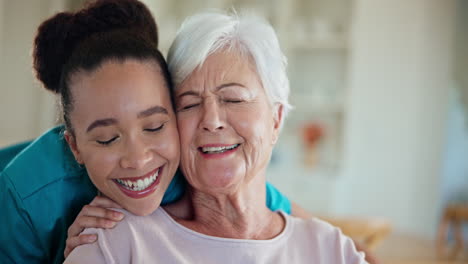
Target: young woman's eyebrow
112	121
152	110
101	123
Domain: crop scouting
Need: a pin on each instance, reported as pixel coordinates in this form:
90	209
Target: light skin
224	104
124	127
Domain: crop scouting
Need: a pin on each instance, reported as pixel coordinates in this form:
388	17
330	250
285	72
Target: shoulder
276	200
131	227
88	253
329	242
129	241
41	190
112	246
316	230
45	161
314	224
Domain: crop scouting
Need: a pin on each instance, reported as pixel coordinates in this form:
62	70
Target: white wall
21	95
1	27
399	76
461	57
1	32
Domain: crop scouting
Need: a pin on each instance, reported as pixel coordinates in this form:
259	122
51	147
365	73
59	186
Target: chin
142	211
142	207
219	184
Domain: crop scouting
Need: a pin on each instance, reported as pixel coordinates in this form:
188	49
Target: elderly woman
231	94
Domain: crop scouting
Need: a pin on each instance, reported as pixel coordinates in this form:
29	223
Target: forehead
222	66
116	69
116	83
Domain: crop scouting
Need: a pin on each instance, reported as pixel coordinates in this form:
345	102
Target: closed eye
189	106
106	142
154	129
234	101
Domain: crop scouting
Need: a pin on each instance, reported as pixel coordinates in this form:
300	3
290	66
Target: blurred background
378	139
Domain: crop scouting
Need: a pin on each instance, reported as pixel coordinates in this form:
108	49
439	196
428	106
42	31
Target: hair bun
107	15
58	36
49	50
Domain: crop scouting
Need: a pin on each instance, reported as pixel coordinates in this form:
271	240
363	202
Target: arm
113	246
89	253
276	200
350	253
41	192
19	242
281	202
98	215
300	212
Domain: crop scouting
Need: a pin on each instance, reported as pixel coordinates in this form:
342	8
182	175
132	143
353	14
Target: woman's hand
96	215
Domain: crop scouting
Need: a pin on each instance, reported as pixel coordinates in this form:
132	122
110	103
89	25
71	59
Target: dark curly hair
104	30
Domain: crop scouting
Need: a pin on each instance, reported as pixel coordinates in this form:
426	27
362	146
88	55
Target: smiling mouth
217	150
138	184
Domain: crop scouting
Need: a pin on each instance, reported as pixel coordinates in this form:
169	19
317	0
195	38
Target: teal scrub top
43	189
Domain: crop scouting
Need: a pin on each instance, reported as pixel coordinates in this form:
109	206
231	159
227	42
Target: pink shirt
157	238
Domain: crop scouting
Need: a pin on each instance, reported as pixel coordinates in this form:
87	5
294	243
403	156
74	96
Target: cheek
253	128
169	147
187	129
100	164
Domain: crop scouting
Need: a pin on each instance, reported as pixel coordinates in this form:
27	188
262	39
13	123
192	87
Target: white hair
203	34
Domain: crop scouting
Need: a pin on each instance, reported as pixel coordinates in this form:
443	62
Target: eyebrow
193	93
152	110
112	121
101	123
228	85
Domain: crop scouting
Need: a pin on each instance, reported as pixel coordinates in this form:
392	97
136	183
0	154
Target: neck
238	214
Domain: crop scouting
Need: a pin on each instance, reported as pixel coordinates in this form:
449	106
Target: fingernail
118	215
92	238
109	223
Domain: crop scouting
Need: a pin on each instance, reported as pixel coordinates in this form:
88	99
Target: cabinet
317	32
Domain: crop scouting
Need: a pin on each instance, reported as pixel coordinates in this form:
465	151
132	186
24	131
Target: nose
136	154
212	118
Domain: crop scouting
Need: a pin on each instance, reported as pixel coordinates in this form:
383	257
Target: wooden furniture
408	248
453	217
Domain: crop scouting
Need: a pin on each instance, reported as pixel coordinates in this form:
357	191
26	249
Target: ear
72	144
277	120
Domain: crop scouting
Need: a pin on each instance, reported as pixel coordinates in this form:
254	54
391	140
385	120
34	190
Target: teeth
139	185
218	149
